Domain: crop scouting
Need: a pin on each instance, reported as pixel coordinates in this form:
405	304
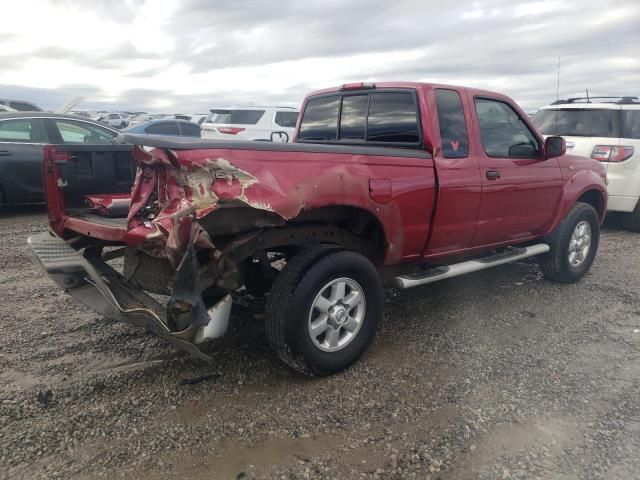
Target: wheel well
359	222
594	198
255	236
352	227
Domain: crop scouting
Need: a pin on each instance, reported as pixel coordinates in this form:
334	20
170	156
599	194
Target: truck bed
90	216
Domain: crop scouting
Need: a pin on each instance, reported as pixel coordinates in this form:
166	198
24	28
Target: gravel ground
496	375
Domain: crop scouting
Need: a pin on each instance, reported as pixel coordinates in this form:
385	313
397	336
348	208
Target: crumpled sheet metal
195	183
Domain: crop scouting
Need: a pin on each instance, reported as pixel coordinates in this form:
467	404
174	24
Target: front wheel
573	244
323	310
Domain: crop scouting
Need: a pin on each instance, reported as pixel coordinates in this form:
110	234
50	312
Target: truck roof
412	85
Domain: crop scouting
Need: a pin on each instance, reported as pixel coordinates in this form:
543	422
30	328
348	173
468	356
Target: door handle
5	153
493	174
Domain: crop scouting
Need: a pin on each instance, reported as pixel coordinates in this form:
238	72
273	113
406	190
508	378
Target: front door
520	190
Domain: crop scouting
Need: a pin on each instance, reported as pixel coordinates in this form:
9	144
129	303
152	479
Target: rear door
21	144
459	184
520	190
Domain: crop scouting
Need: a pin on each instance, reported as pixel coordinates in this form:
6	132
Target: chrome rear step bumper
440	273
101	288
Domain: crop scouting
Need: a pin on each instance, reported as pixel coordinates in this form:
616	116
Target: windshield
579	122
235	117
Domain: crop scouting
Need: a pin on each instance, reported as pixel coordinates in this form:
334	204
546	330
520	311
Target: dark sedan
22	138
167	126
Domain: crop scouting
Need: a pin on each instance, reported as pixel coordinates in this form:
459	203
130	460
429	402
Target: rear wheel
323	310
573	244
631	221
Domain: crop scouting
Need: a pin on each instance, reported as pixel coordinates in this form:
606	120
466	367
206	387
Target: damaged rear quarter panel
198	182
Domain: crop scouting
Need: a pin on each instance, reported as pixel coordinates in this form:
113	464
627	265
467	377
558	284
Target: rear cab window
320	119
385	117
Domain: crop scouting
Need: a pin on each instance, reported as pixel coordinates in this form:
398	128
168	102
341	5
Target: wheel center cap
337	315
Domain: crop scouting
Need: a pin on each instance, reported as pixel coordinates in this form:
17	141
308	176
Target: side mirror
282	137
554	147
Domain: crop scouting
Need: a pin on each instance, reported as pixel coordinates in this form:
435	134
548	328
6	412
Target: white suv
606	129
251	123
117	120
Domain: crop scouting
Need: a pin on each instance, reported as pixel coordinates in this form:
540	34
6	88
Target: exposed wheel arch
243	230
355	220
595	199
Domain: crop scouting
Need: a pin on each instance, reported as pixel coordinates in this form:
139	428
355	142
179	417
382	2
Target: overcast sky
191	55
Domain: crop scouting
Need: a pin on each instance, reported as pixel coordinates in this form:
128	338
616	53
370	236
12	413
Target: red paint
104	203
428	208
380	190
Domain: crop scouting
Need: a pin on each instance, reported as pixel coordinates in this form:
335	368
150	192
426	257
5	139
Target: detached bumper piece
101	288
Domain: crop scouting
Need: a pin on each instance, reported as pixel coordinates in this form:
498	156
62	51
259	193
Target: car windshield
579	122
235	117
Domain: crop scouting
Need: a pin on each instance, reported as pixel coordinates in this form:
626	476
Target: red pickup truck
401	184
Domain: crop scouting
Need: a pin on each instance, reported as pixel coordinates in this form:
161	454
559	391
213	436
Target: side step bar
440	273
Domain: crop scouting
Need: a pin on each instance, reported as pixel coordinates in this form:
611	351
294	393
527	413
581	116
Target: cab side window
453	128
503	132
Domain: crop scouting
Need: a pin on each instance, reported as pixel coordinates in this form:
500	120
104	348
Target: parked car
21	105
198	118
81	113
252	123
145	117
22	138
166	127
4	108
117	120
397	183
606	129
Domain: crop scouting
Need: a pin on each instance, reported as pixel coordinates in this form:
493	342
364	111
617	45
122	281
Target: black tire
555	264
290	301
631	221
